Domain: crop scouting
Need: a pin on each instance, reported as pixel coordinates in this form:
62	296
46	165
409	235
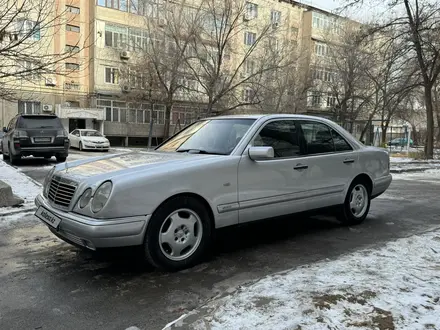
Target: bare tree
27	43
229	61
349	56
418	24
393	77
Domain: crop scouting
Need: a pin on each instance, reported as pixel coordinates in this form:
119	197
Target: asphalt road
47	284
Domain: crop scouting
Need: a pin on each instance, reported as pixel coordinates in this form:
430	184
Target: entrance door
75	123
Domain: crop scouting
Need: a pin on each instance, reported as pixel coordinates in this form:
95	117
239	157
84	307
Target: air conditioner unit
126	88
247	17
51	82
125	55
47	108
275	25
162	22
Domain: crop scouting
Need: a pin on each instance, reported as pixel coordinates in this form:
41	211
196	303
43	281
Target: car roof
266	116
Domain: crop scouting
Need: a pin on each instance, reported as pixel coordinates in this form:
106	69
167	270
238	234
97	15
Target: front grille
61	193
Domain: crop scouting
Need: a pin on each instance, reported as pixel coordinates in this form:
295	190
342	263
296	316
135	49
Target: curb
18	211
410	170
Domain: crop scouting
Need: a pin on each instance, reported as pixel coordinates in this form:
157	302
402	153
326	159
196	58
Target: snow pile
394	287
21	185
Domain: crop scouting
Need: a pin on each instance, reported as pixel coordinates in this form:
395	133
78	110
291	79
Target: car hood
94	138
106	167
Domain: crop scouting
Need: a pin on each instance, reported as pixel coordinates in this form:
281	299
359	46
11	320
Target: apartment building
95	93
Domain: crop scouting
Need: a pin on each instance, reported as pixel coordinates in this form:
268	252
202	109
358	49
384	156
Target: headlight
85	198
101	196
47	180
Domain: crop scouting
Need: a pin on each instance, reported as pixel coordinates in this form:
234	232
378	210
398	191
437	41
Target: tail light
20	134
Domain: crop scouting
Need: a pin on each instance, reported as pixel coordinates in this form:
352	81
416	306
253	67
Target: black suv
35	135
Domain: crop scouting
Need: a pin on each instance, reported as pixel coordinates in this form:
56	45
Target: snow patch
394	287
22	186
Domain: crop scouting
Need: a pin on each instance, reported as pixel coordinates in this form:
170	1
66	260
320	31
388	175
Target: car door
273	187
332	163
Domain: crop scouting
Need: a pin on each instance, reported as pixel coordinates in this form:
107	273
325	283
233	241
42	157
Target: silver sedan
215	173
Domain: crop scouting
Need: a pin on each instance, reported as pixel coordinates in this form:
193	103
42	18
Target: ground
45	281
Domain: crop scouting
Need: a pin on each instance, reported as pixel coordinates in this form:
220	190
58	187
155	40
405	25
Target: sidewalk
405	165
393	287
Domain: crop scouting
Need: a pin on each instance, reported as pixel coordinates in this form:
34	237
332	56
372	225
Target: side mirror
261	153
5	130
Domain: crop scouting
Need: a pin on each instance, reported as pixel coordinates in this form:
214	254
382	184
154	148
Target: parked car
216	172
88	139
1	137
400	142
35	135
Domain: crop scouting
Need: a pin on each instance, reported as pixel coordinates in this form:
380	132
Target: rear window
39	122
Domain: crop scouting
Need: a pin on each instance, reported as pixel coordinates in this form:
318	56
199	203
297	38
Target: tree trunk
166	128
429	145
414	134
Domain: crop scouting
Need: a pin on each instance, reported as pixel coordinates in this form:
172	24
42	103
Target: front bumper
96	233
91	146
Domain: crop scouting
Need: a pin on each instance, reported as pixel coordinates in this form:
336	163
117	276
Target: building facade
93	93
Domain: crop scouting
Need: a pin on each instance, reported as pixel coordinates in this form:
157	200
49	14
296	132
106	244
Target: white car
88	139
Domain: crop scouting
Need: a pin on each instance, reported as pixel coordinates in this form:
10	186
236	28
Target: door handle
348	161
300	167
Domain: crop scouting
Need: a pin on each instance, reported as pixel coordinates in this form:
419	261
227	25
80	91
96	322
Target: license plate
42	139
48	217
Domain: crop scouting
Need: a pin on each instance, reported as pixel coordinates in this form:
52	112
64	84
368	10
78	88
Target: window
250	38
28	70
115	36
73	86
72	66
159	114
249	67
321	49
331	100
72	49
72	9
111	75
29	107
274	44
323	74
72	28
324	22
282	136
137	39
251	10
28	29
340	143
248	95
318	138
275	16
114	4
315	99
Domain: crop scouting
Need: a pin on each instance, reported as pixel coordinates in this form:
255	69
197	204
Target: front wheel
356	205
80	146
178	234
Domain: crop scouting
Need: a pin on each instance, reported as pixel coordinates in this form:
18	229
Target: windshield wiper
200	151
45	127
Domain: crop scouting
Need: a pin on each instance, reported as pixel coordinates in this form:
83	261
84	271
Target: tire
13	159
5	157
186	219
61	159
352	213
80	146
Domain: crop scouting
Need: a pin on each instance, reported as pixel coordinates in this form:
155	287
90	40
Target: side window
12	123
282	136
340	143
318	138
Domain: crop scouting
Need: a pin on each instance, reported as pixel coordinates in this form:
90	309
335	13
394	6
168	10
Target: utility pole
150	133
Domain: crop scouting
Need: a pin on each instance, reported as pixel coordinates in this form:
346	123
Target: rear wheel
357	203
178	234
5	157
13	159
61	159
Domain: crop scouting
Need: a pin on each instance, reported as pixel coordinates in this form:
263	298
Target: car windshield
216	136
90	133
39	122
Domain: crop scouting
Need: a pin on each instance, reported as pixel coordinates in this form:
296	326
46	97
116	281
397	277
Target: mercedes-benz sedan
214	173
